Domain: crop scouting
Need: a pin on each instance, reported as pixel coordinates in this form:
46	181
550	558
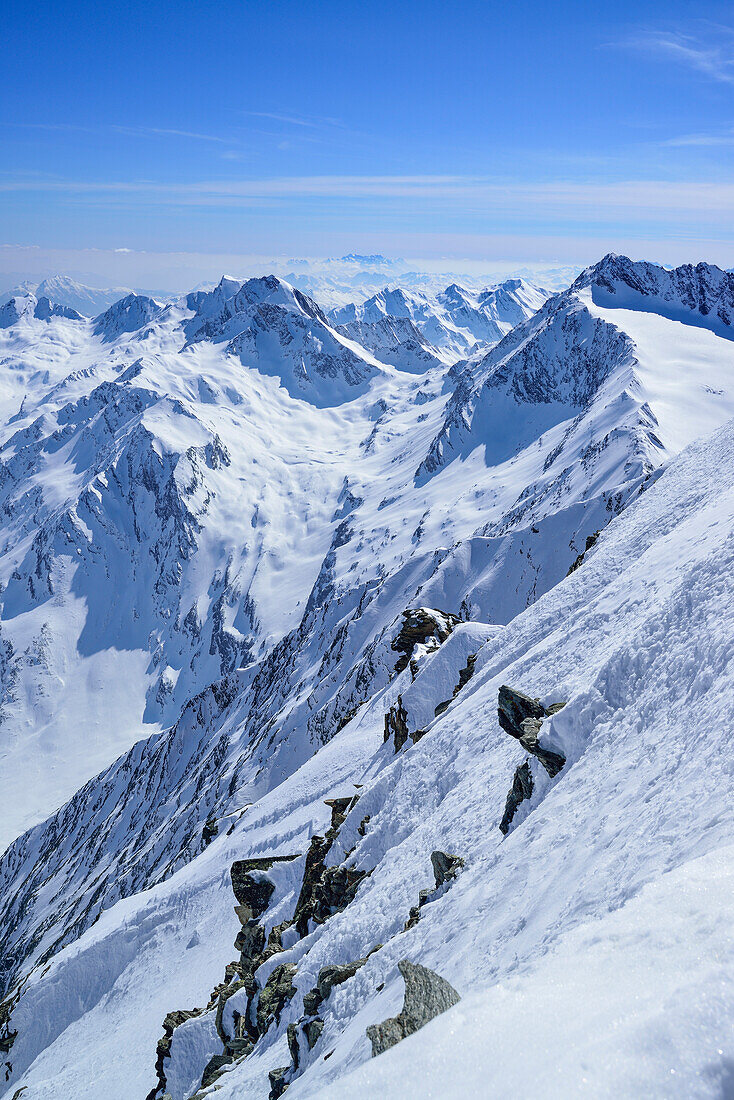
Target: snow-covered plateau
367	692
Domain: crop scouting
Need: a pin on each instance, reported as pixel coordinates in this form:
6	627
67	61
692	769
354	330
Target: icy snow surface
592	946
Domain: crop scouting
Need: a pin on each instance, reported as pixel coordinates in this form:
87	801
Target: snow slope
65	291
604	917
269	499
456	321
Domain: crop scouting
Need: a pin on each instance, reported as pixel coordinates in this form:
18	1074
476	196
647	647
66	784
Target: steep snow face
624	379
457	321
87	300
164	513
701	295
28	306
604	915
287	563
128	315
277	329
396	340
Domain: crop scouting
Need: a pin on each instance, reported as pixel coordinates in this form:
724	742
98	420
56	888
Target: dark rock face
214	1067
330	976
427	995
277	992
513	707
163	1047
445	867
465	675
419	625
396	725
312	1030
590	542
521	717
278	1083
325	890
252	894
340	807
522	788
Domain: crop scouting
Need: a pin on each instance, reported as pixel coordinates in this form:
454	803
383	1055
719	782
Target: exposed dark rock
295	1053
465	675
209	831
522	788
362	827
252	892
445	867
330	976
312	1030
590	541
325	890
278	1083
521	716
163	1047
419	624
250	940
214	1068
340	807
513	707
275	995
414	915
396	725
427	995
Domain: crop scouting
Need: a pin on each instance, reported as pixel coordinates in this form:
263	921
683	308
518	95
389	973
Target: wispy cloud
313	123
162	131
712	139
654	200
711	55
130	131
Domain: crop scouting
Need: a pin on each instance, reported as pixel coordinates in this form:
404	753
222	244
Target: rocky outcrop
278	1083
326	890
522	716
163	1048
427	995
522	788
590	542
277	992
303	1035
424	626
445	869
396	725
254	894
329	977
465	675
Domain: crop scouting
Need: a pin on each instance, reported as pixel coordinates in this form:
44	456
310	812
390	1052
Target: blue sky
517	132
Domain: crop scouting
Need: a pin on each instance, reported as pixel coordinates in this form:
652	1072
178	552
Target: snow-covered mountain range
256	556
456	320
65	291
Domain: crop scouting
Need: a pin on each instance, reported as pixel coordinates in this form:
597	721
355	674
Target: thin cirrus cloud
656	200
295	120
703	140
129	131
711	56
156	131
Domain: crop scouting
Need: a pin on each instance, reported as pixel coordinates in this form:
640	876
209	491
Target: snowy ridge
595	641
64	291
326	582
581	351
456	321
